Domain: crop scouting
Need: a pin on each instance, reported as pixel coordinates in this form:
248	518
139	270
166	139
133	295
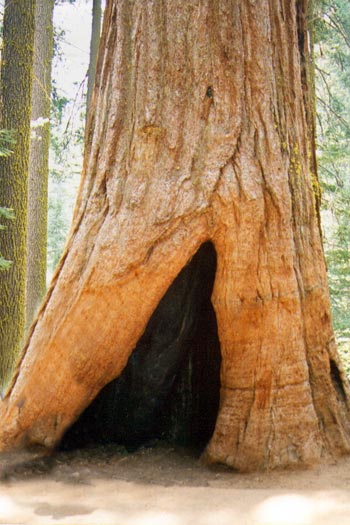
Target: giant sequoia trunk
200	130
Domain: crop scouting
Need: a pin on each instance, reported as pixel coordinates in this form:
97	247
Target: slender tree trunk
94	44
39	159
198	132
16	82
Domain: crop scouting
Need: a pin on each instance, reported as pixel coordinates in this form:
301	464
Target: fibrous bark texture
94	45
16	82
170	386
39	159
198	132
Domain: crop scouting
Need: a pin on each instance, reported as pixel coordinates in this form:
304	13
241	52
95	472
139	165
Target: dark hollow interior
170	386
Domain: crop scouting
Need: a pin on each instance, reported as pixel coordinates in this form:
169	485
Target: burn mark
209	93
171	385
337	379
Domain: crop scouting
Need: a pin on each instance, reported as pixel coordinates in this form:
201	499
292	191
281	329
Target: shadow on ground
164	485
160	464
163	465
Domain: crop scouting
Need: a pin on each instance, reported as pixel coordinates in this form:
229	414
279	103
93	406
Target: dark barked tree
199	187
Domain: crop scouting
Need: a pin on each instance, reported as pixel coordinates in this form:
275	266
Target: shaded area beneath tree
170	387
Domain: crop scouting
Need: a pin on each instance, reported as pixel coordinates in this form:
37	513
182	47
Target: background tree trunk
16	82
39	159
198	132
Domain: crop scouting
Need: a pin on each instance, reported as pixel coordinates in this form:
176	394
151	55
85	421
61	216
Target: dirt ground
165	485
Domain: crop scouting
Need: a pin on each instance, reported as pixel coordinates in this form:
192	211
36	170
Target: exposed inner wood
171	384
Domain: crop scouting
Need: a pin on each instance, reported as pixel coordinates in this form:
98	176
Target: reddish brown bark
198	131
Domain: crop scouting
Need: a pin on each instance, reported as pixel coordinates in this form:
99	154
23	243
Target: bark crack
270	191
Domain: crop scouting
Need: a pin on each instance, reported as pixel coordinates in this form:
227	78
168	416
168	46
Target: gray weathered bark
39	160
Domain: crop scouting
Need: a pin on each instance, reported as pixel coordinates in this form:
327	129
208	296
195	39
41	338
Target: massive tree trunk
39	160
16	82
198	132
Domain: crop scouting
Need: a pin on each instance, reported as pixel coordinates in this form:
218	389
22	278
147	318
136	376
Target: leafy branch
8	214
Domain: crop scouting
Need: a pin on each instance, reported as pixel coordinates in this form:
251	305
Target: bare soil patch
165	485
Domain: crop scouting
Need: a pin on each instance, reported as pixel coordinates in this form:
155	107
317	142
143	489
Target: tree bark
39	160
198	132
16	82
94	44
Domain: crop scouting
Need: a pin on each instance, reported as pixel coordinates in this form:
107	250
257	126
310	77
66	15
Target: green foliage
59	2
332	58
67	124
7	141
67	132
6	213
57	225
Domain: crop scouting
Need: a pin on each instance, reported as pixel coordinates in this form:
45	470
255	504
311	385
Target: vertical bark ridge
265	382
39	160
94	44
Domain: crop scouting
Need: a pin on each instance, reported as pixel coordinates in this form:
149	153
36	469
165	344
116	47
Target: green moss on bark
16	81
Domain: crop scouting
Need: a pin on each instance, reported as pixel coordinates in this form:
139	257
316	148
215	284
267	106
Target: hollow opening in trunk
170	386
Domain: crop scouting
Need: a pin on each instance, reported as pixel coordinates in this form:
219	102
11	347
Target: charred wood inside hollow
170	387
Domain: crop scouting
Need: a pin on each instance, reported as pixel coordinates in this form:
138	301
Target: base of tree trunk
199	168
170	387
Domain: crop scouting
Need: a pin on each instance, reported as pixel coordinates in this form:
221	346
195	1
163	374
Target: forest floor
165	485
